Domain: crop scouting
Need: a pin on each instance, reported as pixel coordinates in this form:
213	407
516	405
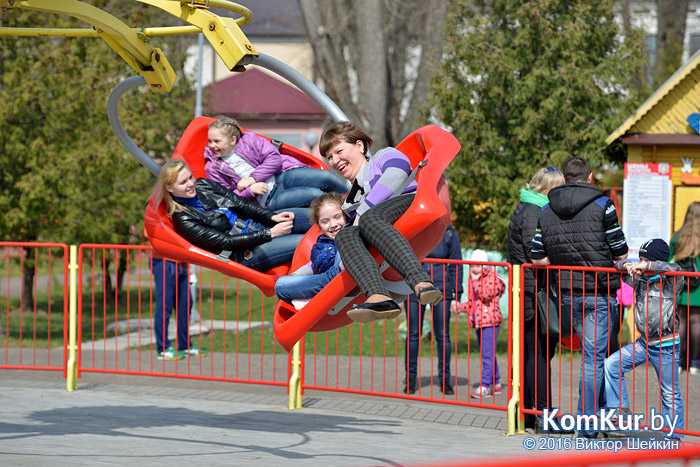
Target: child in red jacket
485	288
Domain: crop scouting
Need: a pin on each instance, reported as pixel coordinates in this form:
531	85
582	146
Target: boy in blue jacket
656	317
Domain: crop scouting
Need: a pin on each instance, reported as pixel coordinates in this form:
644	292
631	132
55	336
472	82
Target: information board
647	203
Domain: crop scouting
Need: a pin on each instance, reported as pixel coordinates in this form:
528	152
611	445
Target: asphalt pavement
118	420
138	420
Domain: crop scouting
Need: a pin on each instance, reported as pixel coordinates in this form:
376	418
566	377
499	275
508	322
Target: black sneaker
447	389
410	388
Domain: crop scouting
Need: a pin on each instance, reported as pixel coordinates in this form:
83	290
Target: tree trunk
326	43
28	279
370	63
670	33
431	53
107	278
375	59
121	271
626	15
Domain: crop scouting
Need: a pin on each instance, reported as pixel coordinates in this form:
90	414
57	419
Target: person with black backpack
656	318
685	249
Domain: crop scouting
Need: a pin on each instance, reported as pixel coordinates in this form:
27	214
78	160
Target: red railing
378	368
675	454
116	334
35	305
642	385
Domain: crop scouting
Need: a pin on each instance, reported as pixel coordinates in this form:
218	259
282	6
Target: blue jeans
302	220
268	255
280	249
441	331
298	187
592	318
290	288
487	338
665	364
172	291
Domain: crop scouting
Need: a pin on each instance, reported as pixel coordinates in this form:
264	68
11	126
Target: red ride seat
423	225
167	243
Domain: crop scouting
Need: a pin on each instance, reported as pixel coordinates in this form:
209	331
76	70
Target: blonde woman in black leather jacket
213	218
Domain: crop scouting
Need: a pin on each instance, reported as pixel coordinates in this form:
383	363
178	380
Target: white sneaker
481	391
694	371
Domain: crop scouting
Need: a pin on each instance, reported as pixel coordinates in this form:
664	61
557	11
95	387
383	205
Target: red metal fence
374	360
231	320
34	299
641	383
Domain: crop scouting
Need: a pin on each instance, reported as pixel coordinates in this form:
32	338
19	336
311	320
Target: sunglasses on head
551	169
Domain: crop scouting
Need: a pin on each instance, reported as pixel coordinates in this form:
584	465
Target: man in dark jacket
580	227
448	278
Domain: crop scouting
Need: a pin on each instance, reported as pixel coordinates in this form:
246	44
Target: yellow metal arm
223	34
132	45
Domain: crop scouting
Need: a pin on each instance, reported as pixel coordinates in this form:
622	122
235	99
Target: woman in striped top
373	206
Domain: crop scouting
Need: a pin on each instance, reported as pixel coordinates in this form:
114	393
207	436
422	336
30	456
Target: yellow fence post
514	424
72	369
295	379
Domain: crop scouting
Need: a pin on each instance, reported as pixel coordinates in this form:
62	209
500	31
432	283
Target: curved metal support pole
303	83
116	124
265	61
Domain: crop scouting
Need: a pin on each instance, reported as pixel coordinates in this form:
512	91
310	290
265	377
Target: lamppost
311	138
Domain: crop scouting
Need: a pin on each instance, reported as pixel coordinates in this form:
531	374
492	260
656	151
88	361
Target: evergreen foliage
524	85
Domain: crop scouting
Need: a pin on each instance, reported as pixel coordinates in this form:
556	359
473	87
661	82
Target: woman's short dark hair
343	131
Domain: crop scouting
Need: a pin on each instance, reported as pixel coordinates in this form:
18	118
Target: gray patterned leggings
376	229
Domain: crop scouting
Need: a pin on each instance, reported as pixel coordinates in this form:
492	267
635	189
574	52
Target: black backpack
689	265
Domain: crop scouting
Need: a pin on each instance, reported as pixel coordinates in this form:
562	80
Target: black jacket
211	230
523	224
579	227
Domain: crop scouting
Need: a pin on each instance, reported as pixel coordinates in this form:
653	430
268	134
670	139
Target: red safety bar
169	244
423	225
49	261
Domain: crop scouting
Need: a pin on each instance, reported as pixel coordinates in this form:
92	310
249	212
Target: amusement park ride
423	224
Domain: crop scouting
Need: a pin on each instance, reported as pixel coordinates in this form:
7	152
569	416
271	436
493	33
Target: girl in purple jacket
250	166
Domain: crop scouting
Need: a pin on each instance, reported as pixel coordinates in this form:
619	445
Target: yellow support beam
295	380
129	44
224	34
69	32
515	425
72	365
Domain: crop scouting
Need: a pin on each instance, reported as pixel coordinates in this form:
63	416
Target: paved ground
118	420
156	421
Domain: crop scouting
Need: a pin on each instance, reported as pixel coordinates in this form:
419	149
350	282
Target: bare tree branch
375	58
